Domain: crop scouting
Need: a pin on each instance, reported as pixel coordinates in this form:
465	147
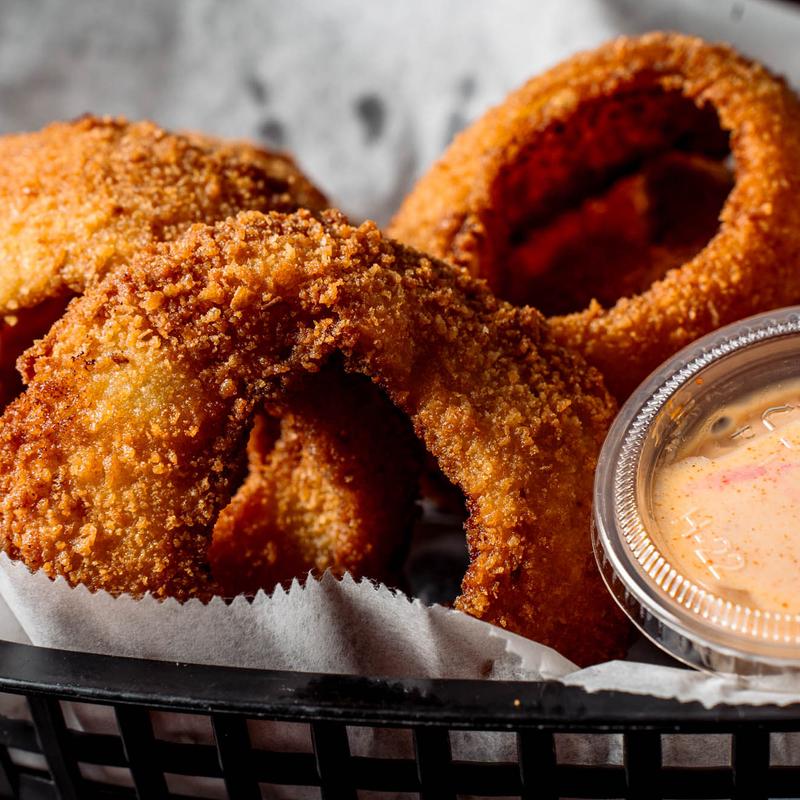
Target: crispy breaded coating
579	127
299	192
115	463
17	332
80	198
331	485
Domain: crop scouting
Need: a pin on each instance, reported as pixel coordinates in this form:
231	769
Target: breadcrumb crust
115	463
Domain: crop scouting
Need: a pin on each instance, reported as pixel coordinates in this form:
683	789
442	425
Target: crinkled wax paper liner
329	625
353	627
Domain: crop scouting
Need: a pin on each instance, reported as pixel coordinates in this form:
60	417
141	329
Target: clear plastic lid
697	501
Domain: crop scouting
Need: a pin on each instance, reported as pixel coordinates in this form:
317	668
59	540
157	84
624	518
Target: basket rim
352	699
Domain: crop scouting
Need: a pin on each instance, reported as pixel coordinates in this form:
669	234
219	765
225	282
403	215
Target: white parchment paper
327	625
365	94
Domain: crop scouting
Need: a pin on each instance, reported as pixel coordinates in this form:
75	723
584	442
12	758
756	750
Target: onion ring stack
78	200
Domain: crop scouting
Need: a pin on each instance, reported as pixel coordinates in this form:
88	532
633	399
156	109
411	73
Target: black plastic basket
430	709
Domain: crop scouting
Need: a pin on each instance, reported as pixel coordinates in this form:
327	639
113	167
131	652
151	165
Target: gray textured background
366	94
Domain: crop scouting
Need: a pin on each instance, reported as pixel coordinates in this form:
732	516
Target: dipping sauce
726	505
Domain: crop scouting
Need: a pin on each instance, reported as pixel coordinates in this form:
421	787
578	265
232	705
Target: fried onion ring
117	460
79	199
576	129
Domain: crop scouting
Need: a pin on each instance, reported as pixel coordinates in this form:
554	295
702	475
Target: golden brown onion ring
79	198
117	460
572	132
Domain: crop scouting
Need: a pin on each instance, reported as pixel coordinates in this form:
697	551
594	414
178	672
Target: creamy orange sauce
727	509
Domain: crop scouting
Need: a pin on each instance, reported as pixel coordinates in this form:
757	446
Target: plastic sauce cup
697	501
